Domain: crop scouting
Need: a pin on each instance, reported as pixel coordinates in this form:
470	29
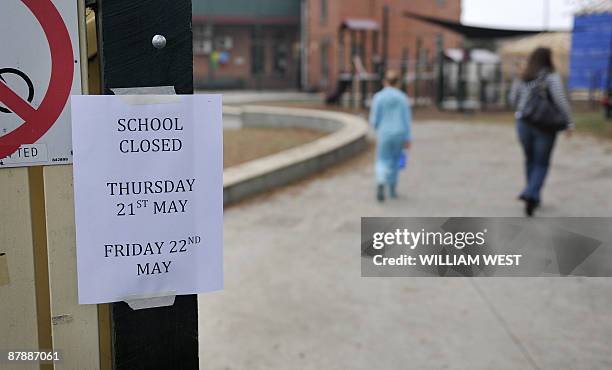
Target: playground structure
461	78
354	76
470	80
454	79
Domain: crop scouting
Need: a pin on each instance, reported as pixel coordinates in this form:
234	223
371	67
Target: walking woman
391	117
536	131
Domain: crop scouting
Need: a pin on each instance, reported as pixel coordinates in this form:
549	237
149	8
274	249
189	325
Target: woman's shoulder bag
540	110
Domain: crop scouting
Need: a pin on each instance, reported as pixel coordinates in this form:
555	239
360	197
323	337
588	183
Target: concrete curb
347	137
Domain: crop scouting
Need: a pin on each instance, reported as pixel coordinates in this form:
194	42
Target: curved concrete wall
347	137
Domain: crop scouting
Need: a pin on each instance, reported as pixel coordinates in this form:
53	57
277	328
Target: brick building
329	52
309	43
246	44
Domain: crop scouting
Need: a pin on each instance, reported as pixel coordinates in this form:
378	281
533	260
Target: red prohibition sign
38	121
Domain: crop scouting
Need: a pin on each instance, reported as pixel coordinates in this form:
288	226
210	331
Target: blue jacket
390	113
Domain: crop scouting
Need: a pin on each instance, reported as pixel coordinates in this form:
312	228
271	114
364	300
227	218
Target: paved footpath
294	298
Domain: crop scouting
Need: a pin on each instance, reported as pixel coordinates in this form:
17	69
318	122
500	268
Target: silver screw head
159	41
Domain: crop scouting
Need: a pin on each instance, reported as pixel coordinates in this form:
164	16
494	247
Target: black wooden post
166	337
461	93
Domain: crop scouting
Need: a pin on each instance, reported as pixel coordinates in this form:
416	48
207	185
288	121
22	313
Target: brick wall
237	72
404	32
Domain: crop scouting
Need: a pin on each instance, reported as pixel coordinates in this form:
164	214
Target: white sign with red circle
39	70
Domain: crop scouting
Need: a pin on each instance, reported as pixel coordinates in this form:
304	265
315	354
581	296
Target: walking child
391	117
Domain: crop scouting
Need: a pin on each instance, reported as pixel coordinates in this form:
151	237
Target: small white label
31	153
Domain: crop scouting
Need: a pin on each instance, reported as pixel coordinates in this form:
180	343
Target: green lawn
588	121
593	123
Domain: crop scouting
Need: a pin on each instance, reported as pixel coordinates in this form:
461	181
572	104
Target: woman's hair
392	77
540	59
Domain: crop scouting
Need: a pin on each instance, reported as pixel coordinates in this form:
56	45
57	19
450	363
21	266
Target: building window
202	39
441	3
324	11
440	42
281	55
324	63
224	43
258	52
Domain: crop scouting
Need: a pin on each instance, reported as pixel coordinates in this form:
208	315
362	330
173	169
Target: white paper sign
148	188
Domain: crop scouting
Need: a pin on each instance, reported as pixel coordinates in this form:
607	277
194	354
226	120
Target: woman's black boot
380	193
530	207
